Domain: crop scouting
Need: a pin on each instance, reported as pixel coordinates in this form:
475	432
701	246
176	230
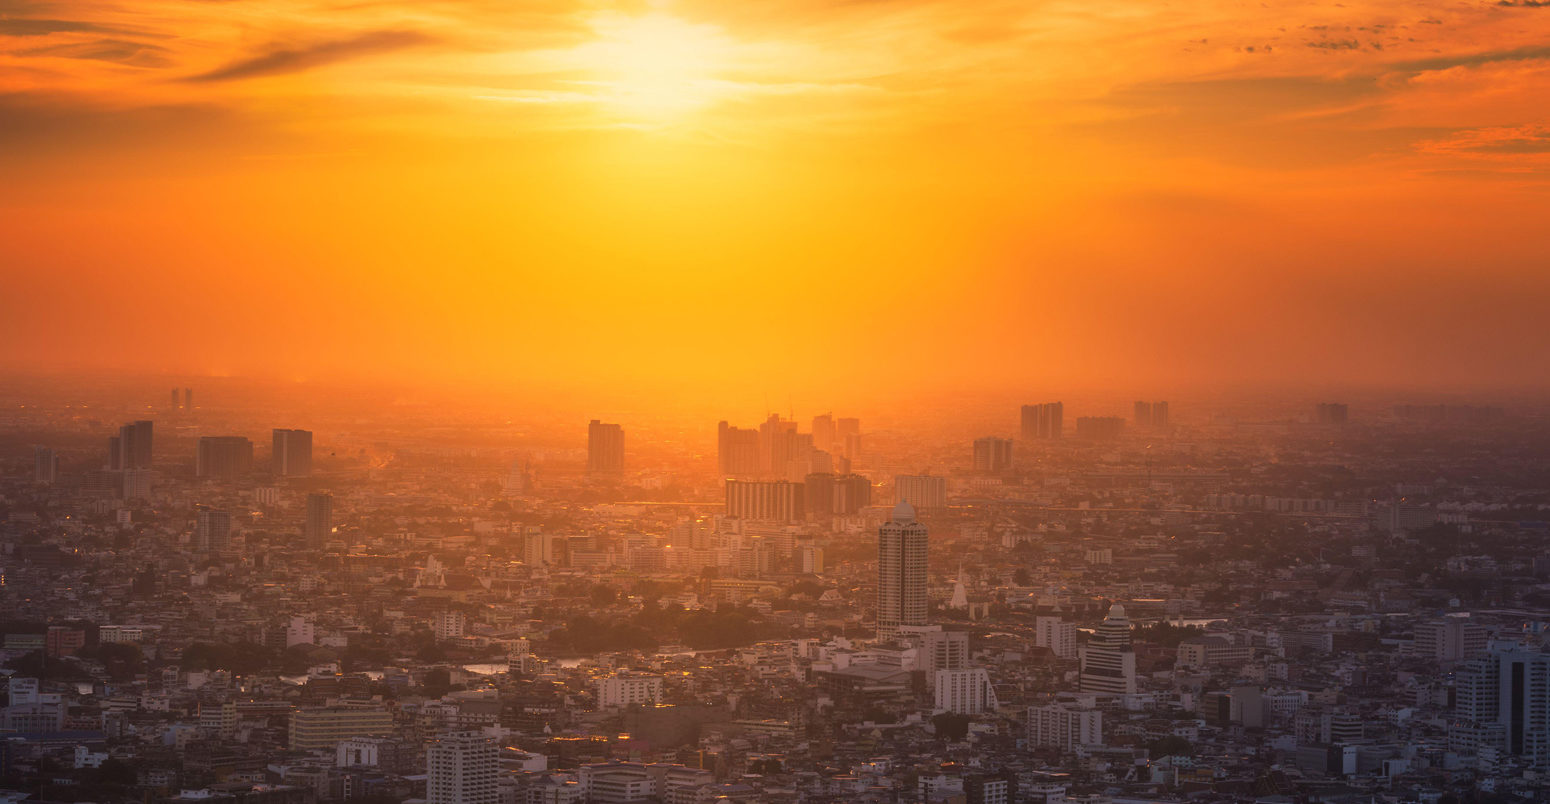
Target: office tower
224	457
188	399
922	492
992	454
1099	428
1057	635
1508	691
45	465
175	401
1042	421
1108	663
131	448
1151	414
605	448
320	520
462	768
774	500
212	530
847	434
135	484
823	432
778	444
1331	413
292	453
901	572
965	692
737	451
1449	639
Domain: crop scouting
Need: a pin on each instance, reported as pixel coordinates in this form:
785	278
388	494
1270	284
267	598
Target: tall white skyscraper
461	769
1108	663
901	572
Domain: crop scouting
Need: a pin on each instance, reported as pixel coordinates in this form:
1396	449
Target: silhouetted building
605	448
901	572
320	520
773	500
45	465
1099	428
292	453
1151	414
737	450
224	457
131	448
212	530
1043	421
827	494
922	492
1331	413
992	454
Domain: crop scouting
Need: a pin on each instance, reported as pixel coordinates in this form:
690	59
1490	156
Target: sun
655	65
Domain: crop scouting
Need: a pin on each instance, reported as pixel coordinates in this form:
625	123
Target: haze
748	199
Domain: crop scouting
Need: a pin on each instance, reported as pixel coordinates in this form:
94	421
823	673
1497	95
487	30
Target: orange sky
775	197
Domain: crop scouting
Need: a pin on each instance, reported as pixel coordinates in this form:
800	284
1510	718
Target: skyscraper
605	448
320	520
175	401
992	454
1151	414
1509	688
224	457
212	530
823	432
774	500
188	399
922	492
1108	662
1042	421
135	445
45	465
737	451
462	768
292	453
901	572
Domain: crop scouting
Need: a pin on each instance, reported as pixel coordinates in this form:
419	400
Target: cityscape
774	402
1144	602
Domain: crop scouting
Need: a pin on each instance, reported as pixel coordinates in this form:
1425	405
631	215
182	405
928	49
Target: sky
811	197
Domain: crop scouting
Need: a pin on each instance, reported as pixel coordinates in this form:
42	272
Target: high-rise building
827	494
212	530
45	465
131	448
847	434
1508	688
922	492
1099	428
1151	414
605	448
1449	639
292	453
967	691
1064	727
1108	662
1331	413
901	572
823	432
774	500
1042	421
320	521
225	457
1057	635
737	451
188	399
992	454
462	768
176	403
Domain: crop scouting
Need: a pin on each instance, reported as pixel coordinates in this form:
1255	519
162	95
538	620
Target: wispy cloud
280	60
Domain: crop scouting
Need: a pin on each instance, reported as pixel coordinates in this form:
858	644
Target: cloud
1494	141
1524	3
44	27
282	60
1528	53
119	51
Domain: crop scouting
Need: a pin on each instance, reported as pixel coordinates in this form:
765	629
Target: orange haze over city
750	198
